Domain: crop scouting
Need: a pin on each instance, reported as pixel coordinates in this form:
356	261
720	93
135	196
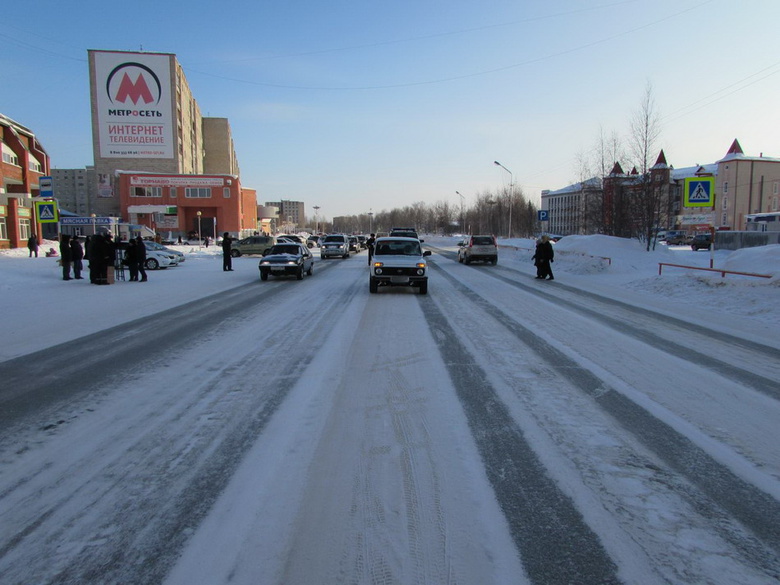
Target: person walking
140	257
227	257
78	255
543	257
32	245
370	245
66	256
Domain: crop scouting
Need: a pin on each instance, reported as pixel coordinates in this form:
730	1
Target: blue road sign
543	215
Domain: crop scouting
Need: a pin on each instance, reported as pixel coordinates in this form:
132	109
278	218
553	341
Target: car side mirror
421	241
427	253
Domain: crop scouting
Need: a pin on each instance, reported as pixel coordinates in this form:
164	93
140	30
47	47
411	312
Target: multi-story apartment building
292	214
75	189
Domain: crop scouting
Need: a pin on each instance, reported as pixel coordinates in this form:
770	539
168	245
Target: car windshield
397	248
285	249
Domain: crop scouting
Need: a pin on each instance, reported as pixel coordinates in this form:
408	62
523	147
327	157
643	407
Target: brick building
24	162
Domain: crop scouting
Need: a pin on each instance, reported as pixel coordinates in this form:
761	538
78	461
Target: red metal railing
723	273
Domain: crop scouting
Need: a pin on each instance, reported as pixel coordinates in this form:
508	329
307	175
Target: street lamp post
94	222
462	219
511	194
199	238
316	224
370	222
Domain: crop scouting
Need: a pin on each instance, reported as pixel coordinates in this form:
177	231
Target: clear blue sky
357	106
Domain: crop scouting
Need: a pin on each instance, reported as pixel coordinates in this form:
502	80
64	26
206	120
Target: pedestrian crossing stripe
699	192
46	211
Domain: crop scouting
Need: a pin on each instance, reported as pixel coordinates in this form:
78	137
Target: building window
3	229
24	229
725	186
146	192
10	158
226	192
173	192
774	203
35	166
776	188
197	192
725	203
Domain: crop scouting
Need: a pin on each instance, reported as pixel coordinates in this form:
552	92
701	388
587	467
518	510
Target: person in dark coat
101	256
131	259
32	245
66	256
370	245
227	258
78	254
543	257
140	257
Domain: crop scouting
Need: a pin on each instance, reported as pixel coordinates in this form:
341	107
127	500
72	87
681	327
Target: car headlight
264	263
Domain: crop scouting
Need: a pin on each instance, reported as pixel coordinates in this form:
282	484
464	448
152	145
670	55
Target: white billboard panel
134	105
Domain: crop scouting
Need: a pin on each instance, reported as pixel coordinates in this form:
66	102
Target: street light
199	240
370	222
316	225
511	193
462	219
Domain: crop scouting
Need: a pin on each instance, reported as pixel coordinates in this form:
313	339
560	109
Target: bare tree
647	202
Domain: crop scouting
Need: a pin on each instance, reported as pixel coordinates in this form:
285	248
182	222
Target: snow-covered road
497	430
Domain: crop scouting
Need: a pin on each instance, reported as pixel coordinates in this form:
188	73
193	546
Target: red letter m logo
134	91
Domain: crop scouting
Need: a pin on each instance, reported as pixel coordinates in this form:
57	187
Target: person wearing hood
78	255
66	256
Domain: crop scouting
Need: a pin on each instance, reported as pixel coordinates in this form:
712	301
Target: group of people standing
71	255
100	251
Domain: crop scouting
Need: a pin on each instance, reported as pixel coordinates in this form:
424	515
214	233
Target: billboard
134	105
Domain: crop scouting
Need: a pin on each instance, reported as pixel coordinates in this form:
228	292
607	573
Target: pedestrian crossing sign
46	212
699	192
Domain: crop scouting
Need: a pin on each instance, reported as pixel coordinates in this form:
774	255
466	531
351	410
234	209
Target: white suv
398	262
334	245
478	249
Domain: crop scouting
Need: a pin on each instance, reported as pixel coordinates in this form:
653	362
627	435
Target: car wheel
373	285
235	253
323	257
263	275
424	288
346	255
299	274
495	261
467	260
152	264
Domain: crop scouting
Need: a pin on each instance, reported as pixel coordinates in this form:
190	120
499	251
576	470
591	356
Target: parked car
334	245
354	244
398	261
158	259
291	238
286	260
701	241
312	241
155	246
478	249
252	245
677	238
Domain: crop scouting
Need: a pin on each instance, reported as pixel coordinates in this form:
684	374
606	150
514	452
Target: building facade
24	162
188	205
292	214
743	185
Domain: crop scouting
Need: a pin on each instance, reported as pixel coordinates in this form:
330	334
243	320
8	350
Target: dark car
701	241
286	260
